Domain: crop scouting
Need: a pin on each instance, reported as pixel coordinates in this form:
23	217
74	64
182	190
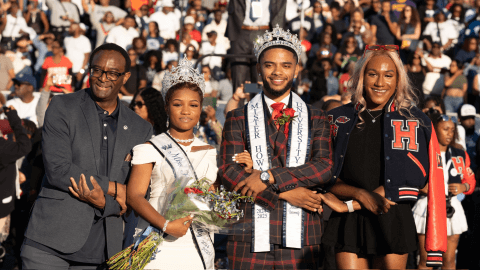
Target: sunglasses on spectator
446	118
390	48
139	104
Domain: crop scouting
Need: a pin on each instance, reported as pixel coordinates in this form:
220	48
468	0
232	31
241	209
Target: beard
276	93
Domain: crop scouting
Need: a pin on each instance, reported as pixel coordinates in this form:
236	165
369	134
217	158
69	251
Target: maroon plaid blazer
315	172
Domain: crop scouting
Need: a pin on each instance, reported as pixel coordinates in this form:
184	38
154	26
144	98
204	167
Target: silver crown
267	40
184	72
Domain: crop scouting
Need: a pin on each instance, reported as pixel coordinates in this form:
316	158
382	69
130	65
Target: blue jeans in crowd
452	104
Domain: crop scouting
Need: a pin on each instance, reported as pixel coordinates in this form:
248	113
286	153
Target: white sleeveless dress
175	253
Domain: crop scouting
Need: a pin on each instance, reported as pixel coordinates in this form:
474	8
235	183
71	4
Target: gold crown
268	39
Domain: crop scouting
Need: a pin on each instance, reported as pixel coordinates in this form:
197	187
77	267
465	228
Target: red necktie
277	112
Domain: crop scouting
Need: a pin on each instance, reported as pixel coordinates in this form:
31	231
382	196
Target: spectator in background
25	102
11	152
78	51
170	51
153	65
187	41
138	77
427	12
154	40
324	82
210	129
63	13
318	19
123	34
440	31
141	17
399	5
213	47
12	26
436	64
97	12
43	44
339	27
408	31
6	72
324	42
455	91
466	115
166	20
225	87
103	27
59	68
375	9
139	44
468	51
189	29
149	105
211	85
36	18
218	25
416	73
157	80
384	25
348	49
191	54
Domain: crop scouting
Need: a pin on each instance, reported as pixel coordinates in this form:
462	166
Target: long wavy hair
404	97
153	99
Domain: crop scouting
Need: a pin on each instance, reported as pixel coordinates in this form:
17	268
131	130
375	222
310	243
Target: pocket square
128	157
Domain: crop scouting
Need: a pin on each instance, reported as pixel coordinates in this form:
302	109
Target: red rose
289	112
187	190
196	191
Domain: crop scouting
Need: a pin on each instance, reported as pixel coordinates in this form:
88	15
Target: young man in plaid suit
282	229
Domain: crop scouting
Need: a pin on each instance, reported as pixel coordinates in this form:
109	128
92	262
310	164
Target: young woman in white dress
183	103
459	178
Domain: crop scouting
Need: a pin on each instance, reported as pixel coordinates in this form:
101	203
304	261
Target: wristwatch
265	177
82	71
350	206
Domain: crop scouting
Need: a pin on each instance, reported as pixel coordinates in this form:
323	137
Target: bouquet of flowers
214	210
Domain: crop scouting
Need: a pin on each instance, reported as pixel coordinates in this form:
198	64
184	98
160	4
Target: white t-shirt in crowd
121	36
25	110
208	48
168	24
435	81
76	50
14	25
447	31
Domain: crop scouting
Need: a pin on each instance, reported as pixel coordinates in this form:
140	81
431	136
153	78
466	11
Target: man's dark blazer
71	146
236	15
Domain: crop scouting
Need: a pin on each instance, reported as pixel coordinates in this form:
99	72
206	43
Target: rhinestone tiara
267	40
184	72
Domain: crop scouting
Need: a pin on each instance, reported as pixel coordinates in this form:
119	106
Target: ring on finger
381	213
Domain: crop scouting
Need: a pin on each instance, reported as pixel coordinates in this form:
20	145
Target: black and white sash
297	154
182	167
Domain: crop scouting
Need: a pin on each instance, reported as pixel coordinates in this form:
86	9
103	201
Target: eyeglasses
111	75
446	118
139	104
390	48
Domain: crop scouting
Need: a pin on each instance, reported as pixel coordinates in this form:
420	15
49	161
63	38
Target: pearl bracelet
165	226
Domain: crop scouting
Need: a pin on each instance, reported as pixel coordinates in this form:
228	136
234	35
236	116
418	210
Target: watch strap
349	206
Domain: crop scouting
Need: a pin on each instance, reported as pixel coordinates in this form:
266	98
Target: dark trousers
34	258
243	68
241	257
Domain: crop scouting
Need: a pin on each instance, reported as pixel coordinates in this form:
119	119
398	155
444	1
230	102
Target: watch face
264	176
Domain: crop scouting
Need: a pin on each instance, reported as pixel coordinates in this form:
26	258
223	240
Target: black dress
361	231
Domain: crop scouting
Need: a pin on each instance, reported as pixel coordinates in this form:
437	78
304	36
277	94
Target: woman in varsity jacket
459	178
386	150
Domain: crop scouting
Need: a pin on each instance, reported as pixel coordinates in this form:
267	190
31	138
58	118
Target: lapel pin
125	127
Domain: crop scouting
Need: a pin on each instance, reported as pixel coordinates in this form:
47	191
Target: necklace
373	120
179	140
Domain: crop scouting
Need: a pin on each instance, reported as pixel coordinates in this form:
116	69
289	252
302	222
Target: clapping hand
96	197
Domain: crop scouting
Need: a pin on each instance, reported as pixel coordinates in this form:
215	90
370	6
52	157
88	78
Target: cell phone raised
254	88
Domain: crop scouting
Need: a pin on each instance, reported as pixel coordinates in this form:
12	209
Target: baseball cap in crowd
467	110
25	78
189	20
168	3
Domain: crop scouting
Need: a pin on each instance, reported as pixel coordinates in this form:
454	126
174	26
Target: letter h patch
405	135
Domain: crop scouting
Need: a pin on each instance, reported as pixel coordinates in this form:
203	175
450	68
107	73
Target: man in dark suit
277	183
76	221
248	19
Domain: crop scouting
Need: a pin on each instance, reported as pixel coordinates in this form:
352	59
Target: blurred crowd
45	46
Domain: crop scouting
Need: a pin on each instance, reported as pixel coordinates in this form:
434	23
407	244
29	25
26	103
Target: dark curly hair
155	107
158	55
